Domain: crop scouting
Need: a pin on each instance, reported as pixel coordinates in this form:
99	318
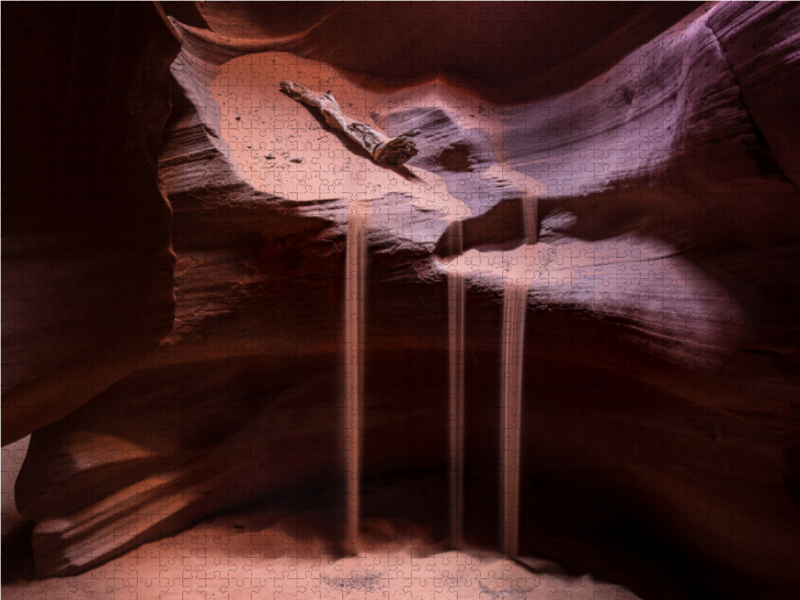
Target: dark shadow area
17	556
185	12
502	227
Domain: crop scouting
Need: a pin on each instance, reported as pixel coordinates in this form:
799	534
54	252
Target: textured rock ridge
88	290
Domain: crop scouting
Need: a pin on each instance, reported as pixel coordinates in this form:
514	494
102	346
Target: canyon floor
288	547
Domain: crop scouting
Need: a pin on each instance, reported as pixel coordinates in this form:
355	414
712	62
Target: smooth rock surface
661	364
87	287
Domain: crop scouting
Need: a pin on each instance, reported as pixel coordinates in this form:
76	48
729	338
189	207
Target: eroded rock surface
88	282
661	364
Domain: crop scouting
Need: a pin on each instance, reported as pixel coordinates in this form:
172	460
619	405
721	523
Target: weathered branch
393	151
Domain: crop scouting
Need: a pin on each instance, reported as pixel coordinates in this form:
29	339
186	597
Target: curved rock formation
87	291
661	356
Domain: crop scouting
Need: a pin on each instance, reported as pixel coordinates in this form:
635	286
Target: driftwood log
392	151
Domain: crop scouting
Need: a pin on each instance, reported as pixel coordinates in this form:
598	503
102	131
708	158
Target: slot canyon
379	300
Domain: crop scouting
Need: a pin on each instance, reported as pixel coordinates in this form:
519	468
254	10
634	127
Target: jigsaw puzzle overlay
435	335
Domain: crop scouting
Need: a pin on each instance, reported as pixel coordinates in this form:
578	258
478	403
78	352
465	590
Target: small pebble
298	160
269	156
238	118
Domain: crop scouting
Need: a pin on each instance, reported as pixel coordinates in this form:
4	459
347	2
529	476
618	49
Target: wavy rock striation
661	364
86	245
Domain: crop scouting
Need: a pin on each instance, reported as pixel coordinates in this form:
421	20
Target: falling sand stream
518	269
296	147
515	304
355	278
456	306
517	283
518	272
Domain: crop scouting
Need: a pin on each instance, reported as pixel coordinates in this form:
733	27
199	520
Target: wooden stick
392	151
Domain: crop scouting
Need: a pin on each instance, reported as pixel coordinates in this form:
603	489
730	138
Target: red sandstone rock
661	345
88	287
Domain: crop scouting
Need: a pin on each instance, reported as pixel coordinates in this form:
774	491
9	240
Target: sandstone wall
661	364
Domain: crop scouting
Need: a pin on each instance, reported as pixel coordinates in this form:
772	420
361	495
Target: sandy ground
288	546
264	556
